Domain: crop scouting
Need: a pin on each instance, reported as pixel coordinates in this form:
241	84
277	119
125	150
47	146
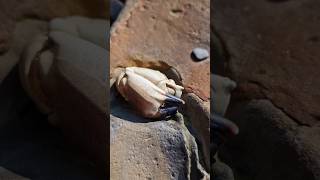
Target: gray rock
200	54
221	171
154	150
280	147
142	148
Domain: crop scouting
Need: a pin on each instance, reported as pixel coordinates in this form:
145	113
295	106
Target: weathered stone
270	48
274	45
198	114
281	147
161	36
169	31
154	150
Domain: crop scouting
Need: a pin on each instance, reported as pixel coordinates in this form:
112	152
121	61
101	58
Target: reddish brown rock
159	34
271	49
275	44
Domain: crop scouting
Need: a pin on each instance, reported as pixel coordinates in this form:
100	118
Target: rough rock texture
199	121
271	145
161	35
141	149
274	45
164	33
270	48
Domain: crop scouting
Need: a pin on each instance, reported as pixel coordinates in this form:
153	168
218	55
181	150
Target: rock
8	175
160	35
281	147
154	150
272	56
143	148
284	61
199	118
170	30
200	54
222	171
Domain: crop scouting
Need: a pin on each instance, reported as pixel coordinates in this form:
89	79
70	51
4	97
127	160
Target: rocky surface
171	30
156	150
271	144
270	48
161	36
273	45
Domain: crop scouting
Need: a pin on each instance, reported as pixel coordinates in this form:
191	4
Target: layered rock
270	48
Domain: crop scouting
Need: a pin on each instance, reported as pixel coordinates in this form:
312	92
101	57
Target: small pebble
200	54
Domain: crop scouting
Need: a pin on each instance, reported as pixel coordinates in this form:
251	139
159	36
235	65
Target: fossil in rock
151	93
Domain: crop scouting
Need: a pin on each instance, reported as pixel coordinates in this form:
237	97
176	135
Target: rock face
161	35
272	44
271	144
171	30
157	150
270	48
